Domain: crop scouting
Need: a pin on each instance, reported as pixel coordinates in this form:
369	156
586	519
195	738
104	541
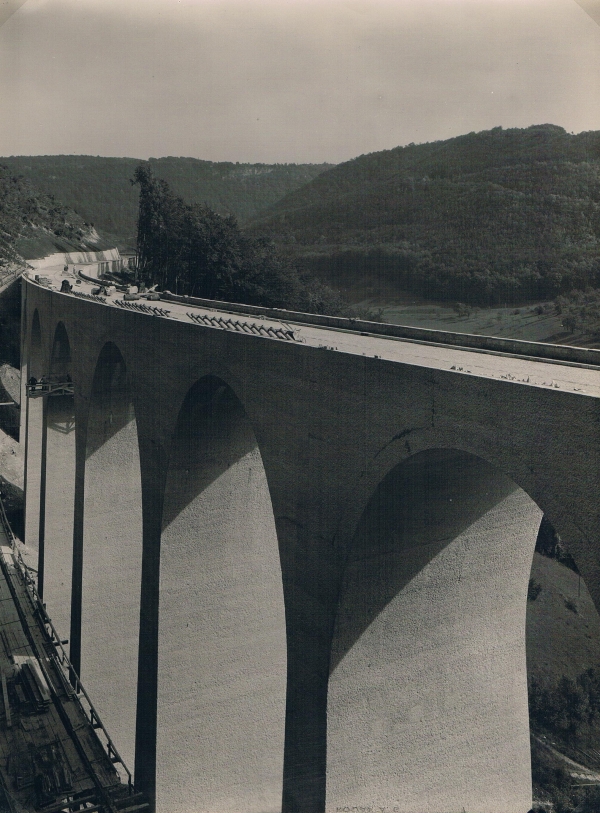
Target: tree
190	249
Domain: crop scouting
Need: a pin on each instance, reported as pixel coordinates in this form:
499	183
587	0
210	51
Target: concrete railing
550	352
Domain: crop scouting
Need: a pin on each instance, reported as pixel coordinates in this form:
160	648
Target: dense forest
501	216
580	310
188	248
99	189
486	218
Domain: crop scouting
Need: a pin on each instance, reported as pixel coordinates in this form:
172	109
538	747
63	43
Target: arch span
427	698
56	518
222	642
110	577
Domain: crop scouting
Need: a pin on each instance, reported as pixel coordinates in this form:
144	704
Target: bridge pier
34	431
427	703
221	631
59	488
111	556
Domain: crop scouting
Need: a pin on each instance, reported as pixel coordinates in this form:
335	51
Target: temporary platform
41	388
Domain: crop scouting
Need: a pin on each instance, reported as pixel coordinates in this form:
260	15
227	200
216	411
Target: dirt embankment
11	473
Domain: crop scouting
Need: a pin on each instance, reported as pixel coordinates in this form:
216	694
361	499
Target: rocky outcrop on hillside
11	473
10	380
33	224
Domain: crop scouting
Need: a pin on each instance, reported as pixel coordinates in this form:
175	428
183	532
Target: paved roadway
569	377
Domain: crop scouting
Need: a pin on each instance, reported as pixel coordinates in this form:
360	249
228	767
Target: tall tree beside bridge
190	249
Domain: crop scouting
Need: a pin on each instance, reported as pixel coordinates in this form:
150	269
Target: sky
281	81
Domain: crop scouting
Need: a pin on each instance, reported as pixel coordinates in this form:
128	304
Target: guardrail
552	353
72	682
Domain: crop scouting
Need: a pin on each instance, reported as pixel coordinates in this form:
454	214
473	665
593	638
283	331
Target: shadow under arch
427	697
35	361
58	478
60	358
221	673
107	578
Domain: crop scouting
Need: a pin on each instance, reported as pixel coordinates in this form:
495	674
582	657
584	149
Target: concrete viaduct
292	553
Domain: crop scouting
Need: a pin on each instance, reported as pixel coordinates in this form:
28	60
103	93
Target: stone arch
108	583
427	696
58	481
222	641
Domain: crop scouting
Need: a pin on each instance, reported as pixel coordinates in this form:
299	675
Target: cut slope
33	223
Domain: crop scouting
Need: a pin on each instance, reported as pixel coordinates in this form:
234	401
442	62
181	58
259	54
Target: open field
509	321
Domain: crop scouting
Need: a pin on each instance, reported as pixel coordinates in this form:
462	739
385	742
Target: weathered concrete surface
112	552
58	485
221	684
59	505
33	420
330	426
427	701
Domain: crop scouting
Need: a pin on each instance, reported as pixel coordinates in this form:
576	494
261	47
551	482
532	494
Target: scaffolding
60	758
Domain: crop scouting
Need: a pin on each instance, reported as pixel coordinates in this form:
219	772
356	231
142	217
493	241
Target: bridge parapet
542	350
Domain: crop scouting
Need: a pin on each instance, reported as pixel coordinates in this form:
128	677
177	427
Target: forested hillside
190	249
33	223
490	217
99	189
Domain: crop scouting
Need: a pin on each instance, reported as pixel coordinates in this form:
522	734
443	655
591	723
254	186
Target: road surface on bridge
566	376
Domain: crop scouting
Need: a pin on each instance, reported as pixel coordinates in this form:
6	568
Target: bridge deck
517	368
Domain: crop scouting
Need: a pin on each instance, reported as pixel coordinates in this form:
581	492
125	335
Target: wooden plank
5	698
